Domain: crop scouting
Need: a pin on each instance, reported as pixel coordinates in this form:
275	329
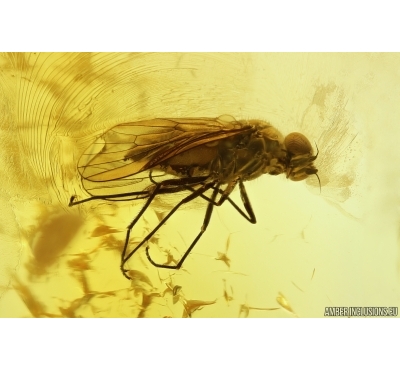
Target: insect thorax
247	156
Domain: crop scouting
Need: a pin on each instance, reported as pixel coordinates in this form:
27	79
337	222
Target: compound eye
297	144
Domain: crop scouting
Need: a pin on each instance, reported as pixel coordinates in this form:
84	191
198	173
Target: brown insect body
142	160
247	156
222	149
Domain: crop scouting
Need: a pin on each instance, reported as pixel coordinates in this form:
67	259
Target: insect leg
250	216
128	233
206	221
181	184
136	194
159	190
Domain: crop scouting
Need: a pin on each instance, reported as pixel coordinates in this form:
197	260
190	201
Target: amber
311	248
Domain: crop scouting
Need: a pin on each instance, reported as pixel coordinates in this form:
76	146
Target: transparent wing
117	159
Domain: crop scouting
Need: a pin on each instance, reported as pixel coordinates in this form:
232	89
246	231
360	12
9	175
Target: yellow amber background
309	249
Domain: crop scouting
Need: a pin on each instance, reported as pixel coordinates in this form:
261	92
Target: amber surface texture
317	243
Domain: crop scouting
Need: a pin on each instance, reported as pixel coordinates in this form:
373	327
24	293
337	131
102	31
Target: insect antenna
316	156
319	183
316	174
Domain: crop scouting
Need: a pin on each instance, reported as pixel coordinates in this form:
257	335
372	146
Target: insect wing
117	159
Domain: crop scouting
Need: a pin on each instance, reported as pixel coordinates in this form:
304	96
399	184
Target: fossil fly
198	158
